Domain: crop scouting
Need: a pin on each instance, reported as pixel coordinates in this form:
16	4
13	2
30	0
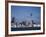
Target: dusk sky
24	13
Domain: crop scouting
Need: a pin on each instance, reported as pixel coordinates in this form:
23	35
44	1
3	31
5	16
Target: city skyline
24	13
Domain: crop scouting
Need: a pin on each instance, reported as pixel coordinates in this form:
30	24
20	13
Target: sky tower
31	19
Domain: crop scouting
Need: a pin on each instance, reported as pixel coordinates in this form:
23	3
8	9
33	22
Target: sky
22	13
